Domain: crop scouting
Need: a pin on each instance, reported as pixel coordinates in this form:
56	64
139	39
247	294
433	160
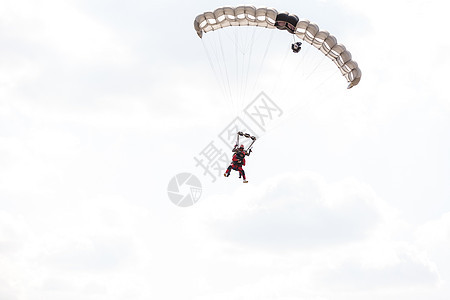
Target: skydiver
296	47
241	149
237	162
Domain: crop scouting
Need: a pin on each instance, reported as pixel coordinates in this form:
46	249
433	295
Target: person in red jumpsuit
237	162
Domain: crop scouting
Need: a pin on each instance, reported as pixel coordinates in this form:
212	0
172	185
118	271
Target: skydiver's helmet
241	147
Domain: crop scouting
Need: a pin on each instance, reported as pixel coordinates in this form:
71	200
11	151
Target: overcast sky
102	103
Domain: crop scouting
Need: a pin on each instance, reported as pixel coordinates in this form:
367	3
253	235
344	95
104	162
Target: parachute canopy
271	18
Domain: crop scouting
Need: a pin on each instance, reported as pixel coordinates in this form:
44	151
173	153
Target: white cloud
299	211
311	238
435	232
89	249
65	30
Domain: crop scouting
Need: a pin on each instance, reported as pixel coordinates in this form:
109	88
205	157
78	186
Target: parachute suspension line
304	56
236	81
216	75
307	104
303	107
241	57
214	46
236	47
248	68
305	53
242	83
326	94
327	79
294	112
288	49
242	62
262	62
226	68
226	71
244	58
243	42
240	50
317	66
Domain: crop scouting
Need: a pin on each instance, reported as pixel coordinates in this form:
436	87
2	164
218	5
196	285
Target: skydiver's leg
241	173
227	173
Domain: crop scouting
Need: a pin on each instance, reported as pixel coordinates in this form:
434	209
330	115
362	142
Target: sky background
103	102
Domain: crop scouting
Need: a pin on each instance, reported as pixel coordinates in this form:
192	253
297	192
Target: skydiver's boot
243	175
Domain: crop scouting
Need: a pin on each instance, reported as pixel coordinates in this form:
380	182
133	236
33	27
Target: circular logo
184	189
